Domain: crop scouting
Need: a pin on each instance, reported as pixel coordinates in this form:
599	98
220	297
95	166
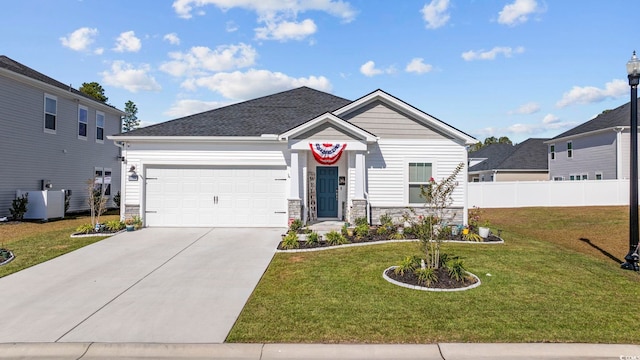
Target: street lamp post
631	260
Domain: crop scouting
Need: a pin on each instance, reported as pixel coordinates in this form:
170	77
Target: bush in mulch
442	279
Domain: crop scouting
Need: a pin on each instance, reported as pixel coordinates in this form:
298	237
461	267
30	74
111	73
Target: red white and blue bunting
327	153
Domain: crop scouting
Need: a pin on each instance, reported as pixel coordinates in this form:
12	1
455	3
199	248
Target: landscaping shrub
291	241
19	207
335	238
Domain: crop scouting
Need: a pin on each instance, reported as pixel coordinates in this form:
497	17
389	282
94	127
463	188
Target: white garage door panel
186	197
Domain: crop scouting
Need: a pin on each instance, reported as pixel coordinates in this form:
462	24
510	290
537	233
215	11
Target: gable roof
408	109
272	114
334	121
9	64
530	154
608	119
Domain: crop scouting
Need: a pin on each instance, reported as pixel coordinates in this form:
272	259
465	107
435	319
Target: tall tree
490	140
94	90
130	119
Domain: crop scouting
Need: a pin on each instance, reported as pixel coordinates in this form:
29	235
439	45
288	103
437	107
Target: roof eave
263	138
588	133
58	91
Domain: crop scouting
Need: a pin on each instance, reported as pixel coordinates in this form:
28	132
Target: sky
516	68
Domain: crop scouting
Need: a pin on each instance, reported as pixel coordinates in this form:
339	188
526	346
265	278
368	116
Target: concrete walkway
87	351
157	285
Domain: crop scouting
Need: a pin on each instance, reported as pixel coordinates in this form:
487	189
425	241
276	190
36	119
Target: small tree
97	201
19	206
438	199
130	119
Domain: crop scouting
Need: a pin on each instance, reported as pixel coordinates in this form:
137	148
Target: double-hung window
552	151
419	175
83	121
102	181
99	127
50	113
569	149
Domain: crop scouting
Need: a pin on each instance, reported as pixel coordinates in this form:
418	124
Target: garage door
203	197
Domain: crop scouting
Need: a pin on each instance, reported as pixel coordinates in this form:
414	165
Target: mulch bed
373	236
444	280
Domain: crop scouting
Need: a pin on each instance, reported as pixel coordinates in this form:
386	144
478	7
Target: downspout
123	168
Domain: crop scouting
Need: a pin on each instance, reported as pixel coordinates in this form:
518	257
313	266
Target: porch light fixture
631	260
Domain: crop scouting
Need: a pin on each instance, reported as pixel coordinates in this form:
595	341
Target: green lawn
33	242
538	287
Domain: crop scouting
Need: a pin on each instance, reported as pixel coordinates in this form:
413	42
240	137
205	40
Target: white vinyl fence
515	194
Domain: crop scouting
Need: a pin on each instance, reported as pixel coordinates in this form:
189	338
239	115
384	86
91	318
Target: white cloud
253	83
80	39
550	119
491	54
592	94
200	59
369	69
124	75
98	51
435	13
188	107
172	38
548	123
338	8
231	26
525	109
286	30
417	65
127	41
518	12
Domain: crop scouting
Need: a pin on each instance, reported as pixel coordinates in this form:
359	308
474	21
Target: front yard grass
34	242
543	285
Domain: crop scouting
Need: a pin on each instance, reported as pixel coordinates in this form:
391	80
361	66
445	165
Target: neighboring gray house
53	134
595	150
526	161
299	154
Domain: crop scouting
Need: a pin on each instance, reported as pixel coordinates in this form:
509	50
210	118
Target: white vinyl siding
83	122
387	175
50	113
100	127
143	155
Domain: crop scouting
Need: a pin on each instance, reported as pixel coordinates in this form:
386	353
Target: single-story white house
298	154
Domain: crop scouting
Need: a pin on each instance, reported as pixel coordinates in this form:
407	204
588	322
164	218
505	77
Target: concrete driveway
156	285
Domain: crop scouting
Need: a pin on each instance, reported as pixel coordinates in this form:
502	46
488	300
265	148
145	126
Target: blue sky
520	68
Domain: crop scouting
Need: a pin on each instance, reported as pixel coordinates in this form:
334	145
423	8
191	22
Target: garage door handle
150	212
280	212
215	199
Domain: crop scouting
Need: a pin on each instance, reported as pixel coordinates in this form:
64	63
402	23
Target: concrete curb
444	351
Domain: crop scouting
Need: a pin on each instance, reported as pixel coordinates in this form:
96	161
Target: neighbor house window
102	180
569	149
99	126
574	177
558	178
552	151
83	121
419	175
598	176
584	177
50	113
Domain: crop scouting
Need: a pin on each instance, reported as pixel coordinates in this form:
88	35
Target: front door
327	191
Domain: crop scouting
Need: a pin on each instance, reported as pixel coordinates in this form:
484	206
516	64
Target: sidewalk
445	351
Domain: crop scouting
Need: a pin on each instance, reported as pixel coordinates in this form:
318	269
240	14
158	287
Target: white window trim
82	107
44	114
406	184
104	120
552	152
570	151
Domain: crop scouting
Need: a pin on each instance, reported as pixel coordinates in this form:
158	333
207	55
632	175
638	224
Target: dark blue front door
327	191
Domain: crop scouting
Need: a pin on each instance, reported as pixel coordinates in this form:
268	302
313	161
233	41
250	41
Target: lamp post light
631	260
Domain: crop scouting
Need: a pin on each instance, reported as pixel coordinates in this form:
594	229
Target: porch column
295	176
360	175
294	201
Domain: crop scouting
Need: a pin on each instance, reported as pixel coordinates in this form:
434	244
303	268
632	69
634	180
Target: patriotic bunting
327	153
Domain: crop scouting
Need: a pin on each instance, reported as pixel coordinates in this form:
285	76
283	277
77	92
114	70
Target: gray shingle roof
272	114
18	68
530	154
619	116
